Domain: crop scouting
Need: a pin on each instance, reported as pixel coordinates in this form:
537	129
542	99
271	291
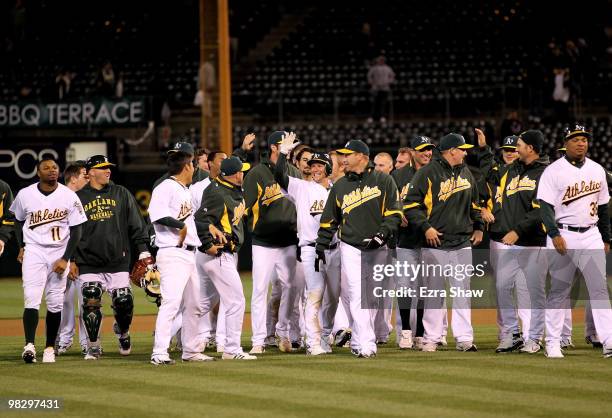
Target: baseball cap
577	130
185	147
562	149
420	143
232	165
509	143
98	161
453	140
355	145
533	137
276	137
319	157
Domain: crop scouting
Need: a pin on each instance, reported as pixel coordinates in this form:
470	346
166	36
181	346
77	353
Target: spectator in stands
404	155
63	83
511	125
561	94
366	44
207	82
380	78
106	80
383	162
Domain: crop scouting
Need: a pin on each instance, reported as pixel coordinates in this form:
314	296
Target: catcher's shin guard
92	304
123	307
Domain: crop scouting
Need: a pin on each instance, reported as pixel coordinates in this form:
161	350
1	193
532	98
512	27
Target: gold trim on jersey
39	217
575	192
255	208
428	201
499	194
239	212
358	197
451	186
518	184
225	222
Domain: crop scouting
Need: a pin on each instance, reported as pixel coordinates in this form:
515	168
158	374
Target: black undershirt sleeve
73	241
170	222
19	233
547	211
604	222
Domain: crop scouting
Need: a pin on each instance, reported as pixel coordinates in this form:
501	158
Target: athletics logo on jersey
452	186
238	213
575	192
404	191
358	197
518	184
270	194
317	207
185	211
39	217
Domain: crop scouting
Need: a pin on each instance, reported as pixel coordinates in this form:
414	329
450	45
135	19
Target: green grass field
396	383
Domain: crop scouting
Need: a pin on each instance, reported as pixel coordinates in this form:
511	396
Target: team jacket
408	237
222	206
515	203
490	169
113	222
272	218
445	198
7	221
358	207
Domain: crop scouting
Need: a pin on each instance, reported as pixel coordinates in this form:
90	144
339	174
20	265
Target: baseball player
102	257
517	241
272	223
363	207
50	215
223	206
75	178
7	223
404	156
442	203
409	244
309	197
176	237
574	197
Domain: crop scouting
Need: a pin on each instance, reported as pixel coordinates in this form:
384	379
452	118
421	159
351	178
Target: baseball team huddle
318	222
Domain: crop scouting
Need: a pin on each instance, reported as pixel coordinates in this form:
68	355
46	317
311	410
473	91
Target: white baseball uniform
46	231
575	193
179	278
309	198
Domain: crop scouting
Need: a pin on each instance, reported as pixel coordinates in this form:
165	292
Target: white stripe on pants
590	259
268	263
363	337
179	283
224	275
435	310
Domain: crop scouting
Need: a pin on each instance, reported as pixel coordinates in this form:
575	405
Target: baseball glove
145	274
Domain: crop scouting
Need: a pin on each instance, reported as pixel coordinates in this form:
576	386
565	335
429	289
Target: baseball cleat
429	347
566	343
466	346
531	347
29	353
594	341
238	356
49	355
212	343
418	343
93	353
342	337
369	354
443	341
270	342
405	341
355	352
257	349
325	345
509	344
161	360
607	352
297	345
284	345
317	350
125	345
63	348
199	357
554	351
